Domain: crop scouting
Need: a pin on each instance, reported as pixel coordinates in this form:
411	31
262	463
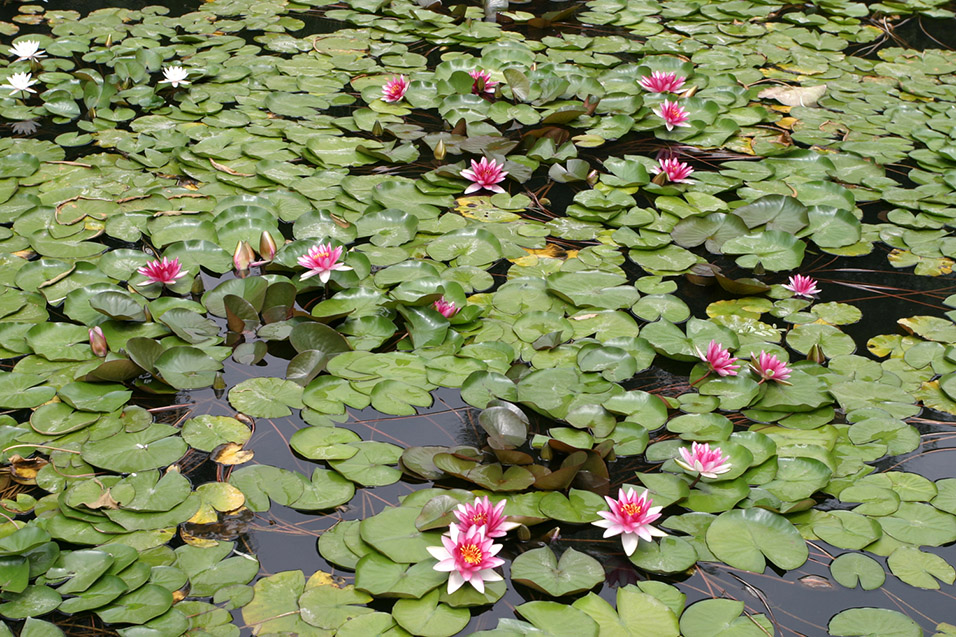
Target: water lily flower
485	174
802	286
243	256
322	260
483	513
769	367
19	82
707	462
164	272
26	127
394	89
673	114
267	246
467	556
27	50
719	360
675	170
483	82
662	82
174	75
630	517
98	342
447	309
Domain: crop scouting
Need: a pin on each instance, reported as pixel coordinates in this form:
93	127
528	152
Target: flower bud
219	384
440	150
98	342
267	246
377	129
243	256
816	354
689	92
593	177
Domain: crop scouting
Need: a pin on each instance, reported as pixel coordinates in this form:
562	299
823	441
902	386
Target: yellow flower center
631	508
478	519
471	553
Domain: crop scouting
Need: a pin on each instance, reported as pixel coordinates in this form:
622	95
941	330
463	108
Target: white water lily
174	75
26	127
19	82
27	50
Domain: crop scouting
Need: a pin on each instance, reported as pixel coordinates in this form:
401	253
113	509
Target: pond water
348	406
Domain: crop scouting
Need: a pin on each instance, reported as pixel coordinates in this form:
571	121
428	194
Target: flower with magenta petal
769	367
719	360
630	517
98	342
322	260
802	286
394	89
164	272
675	170
701	459
446	309
662	82
673	114
467	556
483	513
485	174
483	82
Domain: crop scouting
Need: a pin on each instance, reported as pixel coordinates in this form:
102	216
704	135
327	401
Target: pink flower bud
98	342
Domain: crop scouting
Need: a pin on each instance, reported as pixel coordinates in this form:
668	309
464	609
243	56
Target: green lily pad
428	617
743	538
266	397
872	622
573	573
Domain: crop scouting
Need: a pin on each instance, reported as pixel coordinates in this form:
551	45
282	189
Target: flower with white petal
27	50
174	75
26	127
19	82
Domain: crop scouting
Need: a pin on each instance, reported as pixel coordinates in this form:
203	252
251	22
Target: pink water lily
467	556
630	517
802	286
769	367
701	459
394	89
448	310
321	260
483	82
675	170
485	174
483	513
98	342
662	82
673	114
719	360
164	272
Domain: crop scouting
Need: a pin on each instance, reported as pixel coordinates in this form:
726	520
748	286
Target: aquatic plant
556	320
630	516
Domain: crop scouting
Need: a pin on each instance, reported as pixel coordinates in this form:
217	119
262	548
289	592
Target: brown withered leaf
24	470
231	454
